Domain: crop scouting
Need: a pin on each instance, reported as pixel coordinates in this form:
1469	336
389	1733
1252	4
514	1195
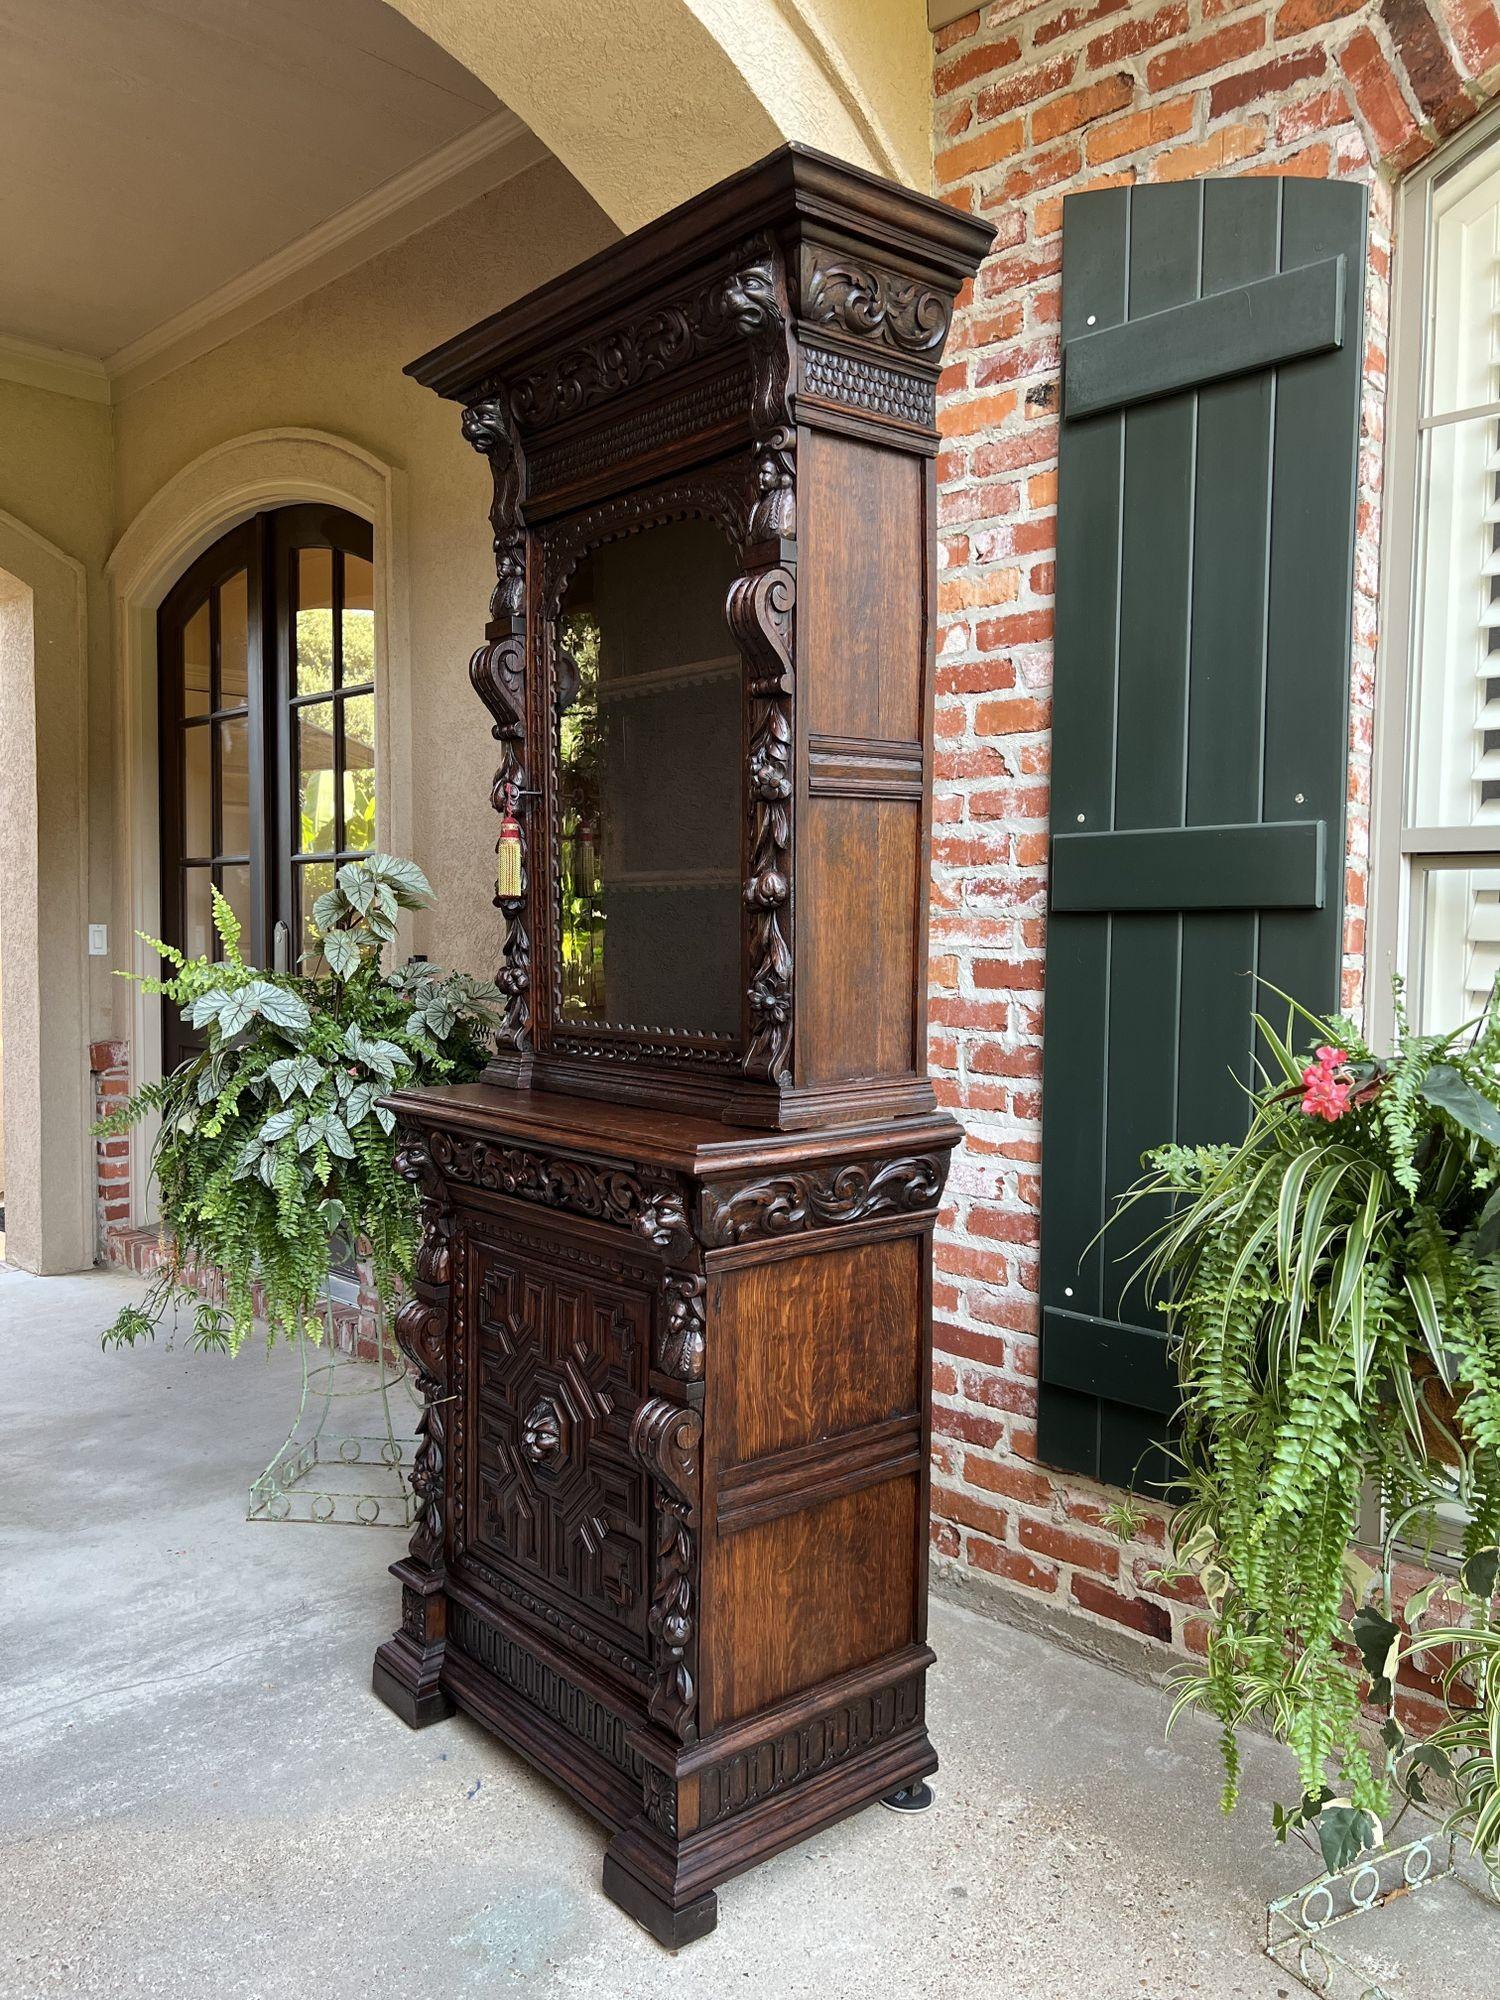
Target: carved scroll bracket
760	610
665	1439
498	672
756	297
422	1335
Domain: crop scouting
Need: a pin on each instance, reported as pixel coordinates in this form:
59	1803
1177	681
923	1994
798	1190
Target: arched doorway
266	720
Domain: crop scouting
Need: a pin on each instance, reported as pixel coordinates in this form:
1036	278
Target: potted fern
1333	1295
275	1153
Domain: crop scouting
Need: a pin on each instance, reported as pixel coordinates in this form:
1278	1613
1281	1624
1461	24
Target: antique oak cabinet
672	1310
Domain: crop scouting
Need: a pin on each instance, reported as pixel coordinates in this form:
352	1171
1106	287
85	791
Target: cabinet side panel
806	1347
861	588
862	650
812	1595
815	1526
858	885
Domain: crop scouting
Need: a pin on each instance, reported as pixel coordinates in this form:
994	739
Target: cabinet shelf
631	687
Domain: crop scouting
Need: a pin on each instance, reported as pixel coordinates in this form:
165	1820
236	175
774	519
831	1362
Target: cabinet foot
915	1797
418	1700
672	1928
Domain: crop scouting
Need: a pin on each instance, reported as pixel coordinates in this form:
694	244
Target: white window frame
1398	852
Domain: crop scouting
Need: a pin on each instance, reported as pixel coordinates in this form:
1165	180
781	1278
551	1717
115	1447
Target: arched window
266	651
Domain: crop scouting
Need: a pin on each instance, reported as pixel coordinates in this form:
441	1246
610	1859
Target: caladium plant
274	1145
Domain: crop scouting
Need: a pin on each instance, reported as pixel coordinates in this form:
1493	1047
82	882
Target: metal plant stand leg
1297	1924
346	1473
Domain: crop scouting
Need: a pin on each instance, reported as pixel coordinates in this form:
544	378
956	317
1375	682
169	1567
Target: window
1437	903
266	650
1436	882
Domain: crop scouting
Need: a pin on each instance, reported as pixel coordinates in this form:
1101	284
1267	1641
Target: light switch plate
98	940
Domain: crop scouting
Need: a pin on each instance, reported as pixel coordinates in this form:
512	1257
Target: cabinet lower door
558	1510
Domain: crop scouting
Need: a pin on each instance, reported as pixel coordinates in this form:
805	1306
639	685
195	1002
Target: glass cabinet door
648	719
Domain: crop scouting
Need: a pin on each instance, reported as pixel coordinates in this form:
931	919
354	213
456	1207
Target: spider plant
1333	1298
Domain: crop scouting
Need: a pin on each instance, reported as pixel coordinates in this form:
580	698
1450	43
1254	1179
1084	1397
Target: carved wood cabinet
671	1318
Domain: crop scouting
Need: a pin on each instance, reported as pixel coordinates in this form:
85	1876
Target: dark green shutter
1212	352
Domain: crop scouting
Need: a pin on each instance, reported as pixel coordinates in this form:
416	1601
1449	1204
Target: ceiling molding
490	153
480	159
56	368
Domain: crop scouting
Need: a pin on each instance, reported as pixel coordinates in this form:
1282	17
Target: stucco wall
332	363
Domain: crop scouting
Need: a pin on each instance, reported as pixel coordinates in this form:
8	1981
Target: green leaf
326	912
1379	1643
1479	1573
341	949
412	888
336	1137
303	1073
1344	1832
280	1123
279	1005
1448	1091
1486	1239
358	1104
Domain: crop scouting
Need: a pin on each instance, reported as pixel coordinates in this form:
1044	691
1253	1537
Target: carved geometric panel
560	1360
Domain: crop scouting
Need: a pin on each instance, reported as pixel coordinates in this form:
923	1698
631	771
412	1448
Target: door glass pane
234	641
358	622
197	912
650	891
195	663
236	890
234	787
359	771
314	630
315	832
197	791
314	879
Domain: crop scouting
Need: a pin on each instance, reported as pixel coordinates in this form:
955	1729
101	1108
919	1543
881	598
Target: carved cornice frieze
869	303
869	386
721	306
650	1205
821	1197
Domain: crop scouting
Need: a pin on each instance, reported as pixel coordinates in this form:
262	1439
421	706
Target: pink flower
1325	1092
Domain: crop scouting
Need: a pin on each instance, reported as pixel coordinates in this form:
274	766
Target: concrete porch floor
202	1797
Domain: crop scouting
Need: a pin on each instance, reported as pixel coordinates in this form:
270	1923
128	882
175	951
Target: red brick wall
1032	102
109	1063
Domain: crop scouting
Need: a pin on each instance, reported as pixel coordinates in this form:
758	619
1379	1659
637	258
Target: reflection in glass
236	889
197	912
358	622
234	786
648	696
314	879
359	771
314	628
195	663
316	831
197	791
234	641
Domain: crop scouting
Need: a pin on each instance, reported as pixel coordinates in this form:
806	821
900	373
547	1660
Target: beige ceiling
152	150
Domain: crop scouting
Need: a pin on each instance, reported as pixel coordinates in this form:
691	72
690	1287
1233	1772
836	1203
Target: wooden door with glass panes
266	705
